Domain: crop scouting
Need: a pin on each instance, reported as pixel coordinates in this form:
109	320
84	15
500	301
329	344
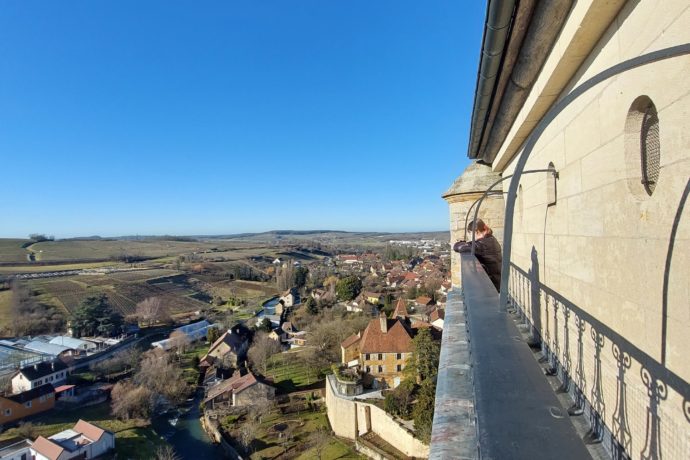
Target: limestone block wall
604	274
341	414
349	418
492	212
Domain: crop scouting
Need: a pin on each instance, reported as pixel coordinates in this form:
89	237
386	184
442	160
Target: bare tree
263	347
27	430
121	361
151	311
260	408
312	360
322	439
131	401
180	341
166	453
247	433
284	276
161	376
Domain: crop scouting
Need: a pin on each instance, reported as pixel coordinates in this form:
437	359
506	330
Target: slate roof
31	394
397	338
40	370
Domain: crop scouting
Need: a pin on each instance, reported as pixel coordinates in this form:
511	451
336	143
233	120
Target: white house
83	441
38	374
16	450
288	299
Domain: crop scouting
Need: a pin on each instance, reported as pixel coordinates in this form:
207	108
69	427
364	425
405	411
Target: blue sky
180	117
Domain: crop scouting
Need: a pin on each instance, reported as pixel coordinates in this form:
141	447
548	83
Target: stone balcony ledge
492	397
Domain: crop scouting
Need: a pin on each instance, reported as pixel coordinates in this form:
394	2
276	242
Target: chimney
52	365
384	322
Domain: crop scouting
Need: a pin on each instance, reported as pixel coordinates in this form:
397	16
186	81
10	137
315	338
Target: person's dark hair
481	227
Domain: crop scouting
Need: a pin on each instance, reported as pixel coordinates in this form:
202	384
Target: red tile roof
89	430
47	448
436	314
423	300
234	384
348	342
397	339
400	309
62	388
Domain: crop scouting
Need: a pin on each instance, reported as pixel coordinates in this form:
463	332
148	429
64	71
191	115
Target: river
186	435
269	308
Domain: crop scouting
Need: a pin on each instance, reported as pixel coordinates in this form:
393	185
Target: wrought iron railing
590	357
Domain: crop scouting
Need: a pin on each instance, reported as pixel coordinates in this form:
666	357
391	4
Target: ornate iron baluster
580	370
556	345
567	362
657	391
598	407
621	430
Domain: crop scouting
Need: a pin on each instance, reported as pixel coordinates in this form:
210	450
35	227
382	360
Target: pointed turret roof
400	309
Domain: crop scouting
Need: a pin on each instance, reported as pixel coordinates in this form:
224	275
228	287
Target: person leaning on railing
487	250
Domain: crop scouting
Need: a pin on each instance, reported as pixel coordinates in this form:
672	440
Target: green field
252	291
180	293
84	250
11	250
133	438
5	305
104	249
124	290
289	373
18	269
303	426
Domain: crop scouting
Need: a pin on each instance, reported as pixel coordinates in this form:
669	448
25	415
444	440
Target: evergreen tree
299	277
311	306
423	364
95	316
348	288
423	412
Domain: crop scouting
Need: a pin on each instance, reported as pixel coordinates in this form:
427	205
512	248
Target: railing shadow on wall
526	294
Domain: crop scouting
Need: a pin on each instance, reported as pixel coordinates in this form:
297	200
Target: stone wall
604	273
351	418
462	195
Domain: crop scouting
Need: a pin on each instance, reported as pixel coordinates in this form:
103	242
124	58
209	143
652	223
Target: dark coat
488	253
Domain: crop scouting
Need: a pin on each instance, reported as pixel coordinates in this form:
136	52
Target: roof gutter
527	39
499	19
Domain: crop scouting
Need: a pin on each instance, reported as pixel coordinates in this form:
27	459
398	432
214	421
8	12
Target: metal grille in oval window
650	149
